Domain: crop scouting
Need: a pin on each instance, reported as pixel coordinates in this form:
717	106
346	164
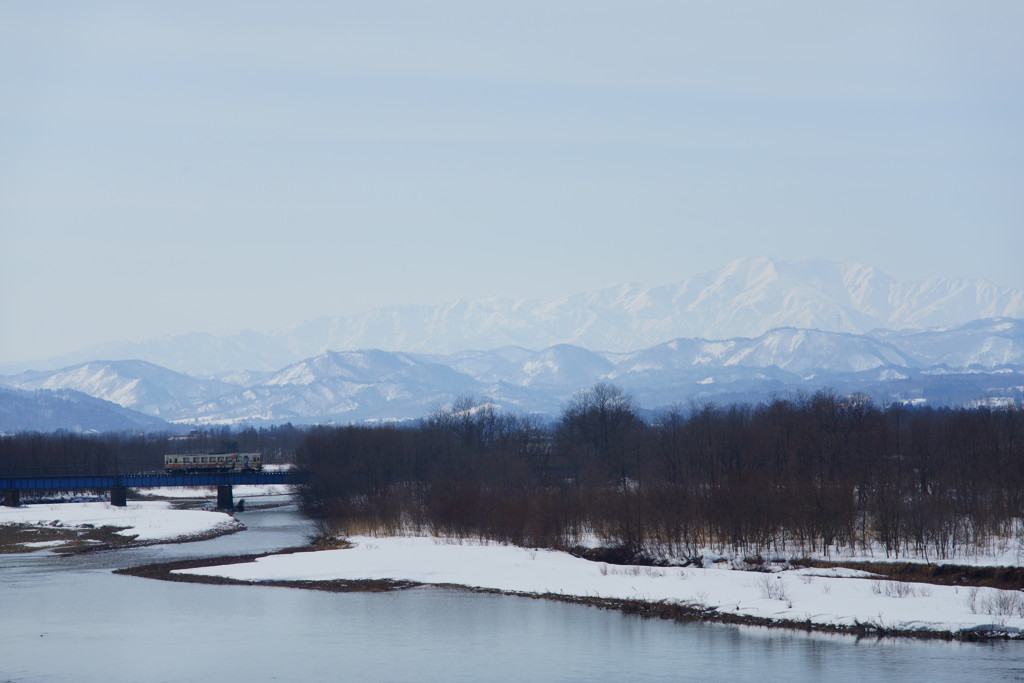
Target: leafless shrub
893	589
773	588
899	589
972	599
324	531
632	570
1000	603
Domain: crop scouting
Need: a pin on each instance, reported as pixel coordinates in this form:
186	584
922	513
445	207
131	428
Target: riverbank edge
680	612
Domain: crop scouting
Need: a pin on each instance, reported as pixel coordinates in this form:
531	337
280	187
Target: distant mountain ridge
980	361
51	410
139	385
746	298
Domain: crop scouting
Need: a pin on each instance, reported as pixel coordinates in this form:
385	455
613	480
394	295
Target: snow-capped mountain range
974	362
755	328
746	298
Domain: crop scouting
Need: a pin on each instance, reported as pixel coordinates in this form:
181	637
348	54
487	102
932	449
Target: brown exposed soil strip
1005	578
660	610
79	539
698	613
74	539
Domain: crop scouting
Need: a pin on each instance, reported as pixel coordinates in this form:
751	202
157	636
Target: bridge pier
225	498
12	498
119	496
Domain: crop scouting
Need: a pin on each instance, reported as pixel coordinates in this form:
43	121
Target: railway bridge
118	484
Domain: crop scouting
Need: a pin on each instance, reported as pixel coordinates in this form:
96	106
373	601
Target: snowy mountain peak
745	298
562	365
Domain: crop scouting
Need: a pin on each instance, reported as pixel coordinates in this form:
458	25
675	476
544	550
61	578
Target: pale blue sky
197	166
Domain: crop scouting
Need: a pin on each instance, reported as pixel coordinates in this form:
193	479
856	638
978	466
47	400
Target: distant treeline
34	453
808	473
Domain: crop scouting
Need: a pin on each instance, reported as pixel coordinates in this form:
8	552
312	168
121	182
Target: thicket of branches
34	453
808	474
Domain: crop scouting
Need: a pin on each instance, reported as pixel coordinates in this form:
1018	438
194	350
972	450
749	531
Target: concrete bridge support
225	498
12	498
119	496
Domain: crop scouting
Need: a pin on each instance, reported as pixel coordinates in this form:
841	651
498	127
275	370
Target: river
68	618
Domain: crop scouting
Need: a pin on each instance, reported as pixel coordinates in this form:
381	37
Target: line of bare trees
807	474
33	453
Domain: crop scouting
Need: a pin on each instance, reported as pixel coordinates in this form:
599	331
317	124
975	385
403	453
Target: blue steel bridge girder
12	485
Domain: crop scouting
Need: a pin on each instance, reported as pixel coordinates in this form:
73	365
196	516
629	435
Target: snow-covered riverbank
843	599
835	597
145	521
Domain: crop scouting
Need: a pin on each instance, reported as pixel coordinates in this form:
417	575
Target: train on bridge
191	463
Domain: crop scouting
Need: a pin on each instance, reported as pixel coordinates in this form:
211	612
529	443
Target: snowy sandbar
840	598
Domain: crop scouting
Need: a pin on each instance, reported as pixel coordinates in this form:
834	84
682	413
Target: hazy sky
218	166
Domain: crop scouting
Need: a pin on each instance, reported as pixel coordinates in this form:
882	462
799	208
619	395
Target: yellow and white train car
213	462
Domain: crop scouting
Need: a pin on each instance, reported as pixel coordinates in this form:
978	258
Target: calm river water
71	619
